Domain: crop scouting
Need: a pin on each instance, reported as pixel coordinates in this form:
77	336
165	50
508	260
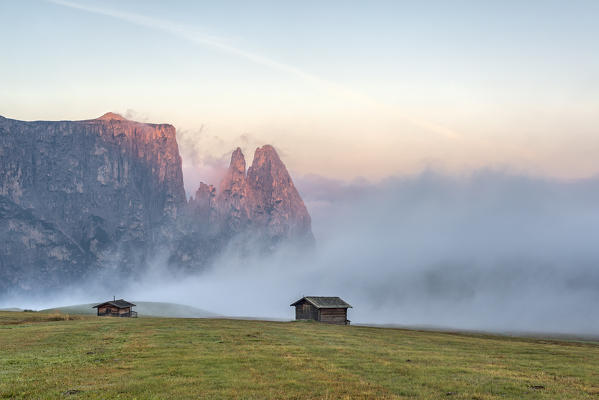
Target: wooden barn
331	310
116	308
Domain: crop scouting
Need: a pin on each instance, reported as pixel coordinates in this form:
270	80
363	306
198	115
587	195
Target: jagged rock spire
264	201
203	204
231	199
277	205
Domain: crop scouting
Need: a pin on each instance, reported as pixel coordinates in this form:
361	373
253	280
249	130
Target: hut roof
324	302
117	303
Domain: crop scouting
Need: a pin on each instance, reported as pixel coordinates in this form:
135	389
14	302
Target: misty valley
97	207
232	291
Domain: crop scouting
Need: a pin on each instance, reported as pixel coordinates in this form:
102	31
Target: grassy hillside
143	308
53	356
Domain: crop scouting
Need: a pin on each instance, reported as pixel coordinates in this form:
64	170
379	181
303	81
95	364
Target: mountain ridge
105	196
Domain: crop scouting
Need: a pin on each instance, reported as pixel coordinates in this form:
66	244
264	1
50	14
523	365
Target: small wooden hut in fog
116	308
331	310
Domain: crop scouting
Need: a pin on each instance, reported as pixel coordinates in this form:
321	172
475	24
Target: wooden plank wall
105	309
333	315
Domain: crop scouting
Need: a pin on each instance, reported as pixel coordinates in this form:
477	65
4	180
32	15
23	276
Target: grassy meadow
45	355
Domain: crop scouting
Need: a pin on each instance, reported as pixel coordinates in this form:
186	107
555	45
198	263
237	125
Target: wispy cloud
191	34
200	38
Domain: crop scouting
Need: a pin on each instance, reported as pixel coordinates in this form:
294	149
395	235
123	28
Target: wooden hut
331	310
116	308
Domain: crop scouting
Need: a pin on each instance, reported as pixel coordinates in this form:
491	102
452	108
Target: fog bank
489	251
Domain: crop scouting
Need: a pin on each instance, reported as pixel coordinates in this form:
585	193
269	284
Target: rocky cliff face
35	252
108	187
79	197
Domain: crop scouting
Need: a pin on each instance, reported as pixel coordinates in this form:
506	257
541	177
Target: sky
343	89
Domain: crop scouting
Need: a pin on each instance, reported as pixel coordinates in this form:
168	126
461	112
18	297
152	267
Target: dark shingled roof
324	302
117	303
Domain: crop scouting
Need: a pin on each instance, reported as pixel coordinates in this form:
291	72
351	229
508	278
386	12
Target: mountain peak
237	161
109	116
235	176
267	149
264	154
263	199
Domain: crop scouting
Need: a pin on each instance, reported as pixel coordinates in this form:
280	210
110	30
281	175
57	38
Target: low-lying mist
490	251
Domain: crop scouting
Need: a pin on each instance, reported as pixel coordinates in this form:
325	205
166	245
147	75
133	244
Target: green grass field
60	356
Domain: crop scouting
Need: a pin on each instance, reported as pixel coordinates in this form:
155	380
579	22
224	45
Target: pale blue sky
387	87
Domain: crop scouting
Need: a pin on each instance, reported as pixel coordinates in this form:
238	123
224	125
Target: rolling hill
143	308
